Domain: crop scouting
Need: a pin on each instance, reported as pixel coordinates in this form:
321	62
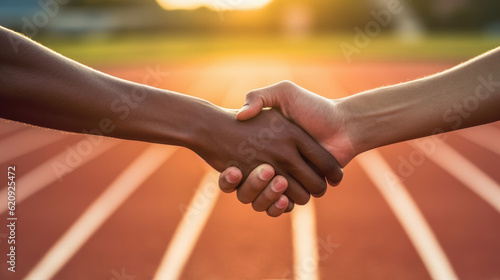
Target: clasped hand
299	163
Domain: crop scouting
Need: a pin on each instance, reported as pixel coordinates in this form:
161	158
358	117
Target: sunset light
213	4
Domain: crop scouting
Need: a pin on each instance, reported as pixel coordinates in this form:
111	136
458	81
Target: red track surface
366	240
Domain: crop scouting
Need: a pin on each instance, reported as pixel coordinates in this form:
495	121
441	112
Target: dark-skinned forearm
41	87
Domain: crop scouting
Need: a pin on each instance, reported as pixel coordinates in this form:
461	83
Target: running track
130	210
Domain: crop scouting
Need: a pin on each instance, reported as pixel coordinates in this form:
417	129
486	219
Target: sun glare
213	4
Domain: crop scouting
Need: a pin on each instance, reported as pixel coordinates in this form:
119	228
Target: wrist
211	135
383	116
164	117
200	126
363	122
345	143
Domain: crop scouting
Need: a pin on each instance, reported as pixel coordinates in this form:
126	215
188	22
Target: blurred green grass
148	48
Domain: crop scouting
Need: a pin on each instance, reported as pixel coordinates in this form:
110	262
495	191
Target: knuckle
253	93
289	89
286	84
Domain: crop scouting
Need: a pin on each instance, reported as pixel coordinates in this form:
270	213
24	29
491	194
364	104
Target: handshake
292	165
272	158
281	156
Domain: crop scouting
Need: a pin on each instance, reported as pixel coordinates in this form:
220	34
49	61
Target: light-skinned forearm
464	96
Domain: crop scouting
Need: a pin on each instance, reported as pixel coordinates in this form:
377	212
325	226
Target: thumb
258	99
253	105
230	179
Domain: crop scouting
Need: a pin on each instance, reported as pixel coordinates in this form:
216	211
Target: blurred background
130	210
169	29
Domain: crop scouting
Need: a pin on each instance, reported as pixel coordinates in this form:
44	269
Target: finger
321	159
271	194
296	192
229	179
253	105
256	100
290	206
258	179
305	175
278	208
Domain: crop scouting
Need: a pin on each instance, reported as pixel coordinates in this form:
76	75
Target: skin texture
43	88
272	139
262	190
464	96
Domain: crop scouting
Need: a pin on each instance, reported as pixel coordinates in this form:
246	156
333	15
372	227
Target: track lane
370	77
358	236
46	215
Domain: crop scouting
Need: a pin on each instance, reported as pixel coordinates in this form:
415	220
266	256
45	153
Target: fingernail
281	203
279	186
232	178
244	108
265	174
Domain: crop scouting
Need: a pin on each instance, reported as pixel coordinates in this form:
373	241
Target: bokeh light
213	4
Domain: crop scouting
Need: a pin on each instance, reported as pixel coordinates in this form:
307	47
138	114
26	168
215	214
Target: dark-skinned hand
268	138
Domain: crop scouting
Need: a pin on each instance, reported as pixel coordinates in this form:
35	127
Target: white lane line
305	249
485	136
99	211
189	229
305	244
408	214
54	169
193	222
467	173
27	141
